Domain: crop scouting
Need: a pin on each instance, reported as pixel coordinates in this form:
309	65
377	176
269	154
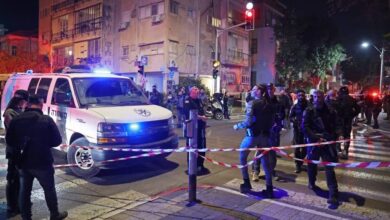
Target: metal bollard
192	157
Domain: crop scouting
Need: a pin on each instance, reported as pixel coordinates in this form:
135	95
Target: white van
100	110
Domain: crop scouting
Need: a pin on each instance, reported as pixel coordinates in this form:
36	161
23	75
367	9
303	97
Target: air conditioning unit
156	19
123	26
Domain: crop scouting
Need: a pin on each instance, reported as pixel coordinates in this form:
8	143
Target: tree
22	62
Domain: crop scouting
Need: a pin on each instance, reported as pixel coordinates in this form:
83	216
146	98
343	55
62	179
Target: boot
59	216
268	192
333	199
298	169
246	186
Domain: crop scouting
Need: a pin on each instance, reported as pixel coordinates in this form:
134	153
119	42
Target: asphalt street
156	189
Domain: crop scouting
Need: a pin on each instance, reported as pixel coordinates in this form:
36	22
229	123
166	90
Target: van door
42	92
62	103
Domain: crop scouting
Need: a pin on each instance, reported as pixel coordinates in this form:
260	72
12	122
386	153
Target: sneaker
333	200
298	169
313	186
255	176
59	216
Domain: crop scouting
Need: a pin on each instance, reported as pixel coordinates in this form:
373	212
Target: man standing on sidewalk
258	122
296	115
31	135
320	123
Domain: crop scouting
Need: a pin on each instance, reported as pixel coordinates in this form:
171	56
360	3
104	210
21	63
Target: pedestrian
277	126
296	115
377	108
181	96
369	106
226	106
347	109
386	104
320	123
15	107
31	135
155	97
285	103
203	97
193	102
258	122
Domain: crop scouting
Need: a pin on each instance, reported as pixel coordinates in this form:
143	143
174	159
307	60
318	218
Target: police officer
296	115
193	102
377	108
31	135
258	122
347	110
320	123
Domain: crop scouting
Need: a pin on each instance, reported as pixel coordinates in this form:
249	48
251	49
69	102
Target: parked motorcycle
214	109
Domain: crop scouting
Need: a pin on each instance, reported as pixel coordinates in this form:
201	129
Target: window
32	86
174	7
88	19
62	94
43	88
125	51
154	9
254	46
13	50
173	47
190	50
94	48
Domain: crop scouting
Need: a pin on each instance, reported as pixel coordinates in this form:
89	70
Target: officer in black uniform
258	122
347	110
296	115
278	116
193	102
320	123
377	108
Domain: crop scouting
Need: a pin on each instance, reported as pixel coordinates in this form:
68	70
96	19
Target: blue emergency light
134	127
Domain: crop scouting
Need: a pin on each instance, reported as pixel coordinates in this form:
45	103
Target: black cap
299	91
270	85
34	100
22	94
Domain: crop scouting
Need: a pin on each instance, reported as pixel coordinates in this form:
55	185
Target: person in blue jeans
31	135
258	122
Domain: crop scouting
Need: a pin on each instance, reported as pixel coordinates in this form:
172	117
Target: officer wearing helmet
347	110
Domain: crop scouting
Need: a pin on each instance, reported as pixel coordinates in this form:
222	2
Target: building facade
263	41
20	43
169	38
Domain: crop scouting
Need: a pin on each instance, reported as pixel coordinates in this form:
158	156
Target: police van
98	110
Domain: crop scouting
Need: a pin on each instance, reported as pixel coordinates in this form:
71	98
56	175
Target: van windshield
107	92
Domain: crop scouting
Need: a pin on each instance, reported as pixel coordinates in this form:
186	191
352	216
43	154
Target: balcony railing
63	4
80	28
236	56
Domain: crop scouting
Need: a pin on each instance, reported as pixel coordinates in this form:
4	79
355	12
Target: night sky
18	15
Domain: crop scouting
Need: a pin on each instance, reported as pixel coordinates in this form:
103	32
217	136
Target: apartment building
170	38
19	43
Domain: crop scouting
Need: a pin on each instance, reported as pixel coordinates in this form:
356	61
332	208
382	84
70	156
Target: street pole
192	156
382	54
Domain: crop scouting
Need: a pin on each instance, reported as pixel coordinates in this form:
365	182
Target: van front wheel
81	158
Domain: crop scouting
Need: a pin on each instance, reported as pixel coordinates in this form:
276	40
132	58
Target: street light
381	56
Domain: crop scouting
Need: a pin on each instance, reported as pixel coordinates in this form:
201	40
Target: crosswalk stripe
309	200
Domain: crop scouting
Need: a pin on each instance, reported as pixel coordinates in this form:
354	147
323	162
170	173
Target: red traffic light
248	13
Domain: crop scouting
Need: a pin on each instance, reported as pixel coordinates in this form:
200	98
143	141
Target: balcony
80	29
64	4
237	57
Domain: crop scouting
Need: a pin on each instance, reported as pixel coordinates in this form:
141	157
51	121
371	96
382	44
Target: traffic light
249	17
216	64
141	69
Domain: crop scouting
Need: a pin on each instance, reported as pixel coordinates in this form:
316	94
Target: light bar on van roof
29	71
102	71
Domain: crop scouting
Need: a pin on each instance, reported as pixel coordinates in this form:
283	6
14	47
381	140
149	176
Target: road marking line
299	208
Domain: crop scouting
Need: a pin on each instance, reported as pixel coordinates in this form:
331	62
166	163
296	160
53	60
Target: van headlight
111	133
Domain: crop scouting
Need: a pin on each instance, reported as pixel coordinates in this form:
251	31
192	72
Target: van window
33	86
43	88
107	92
62	94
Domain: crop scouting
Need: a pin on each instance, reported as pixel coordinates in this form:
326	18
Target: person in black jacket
320	123
15	106
193	102
258	122
347	110
31	135
296	115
